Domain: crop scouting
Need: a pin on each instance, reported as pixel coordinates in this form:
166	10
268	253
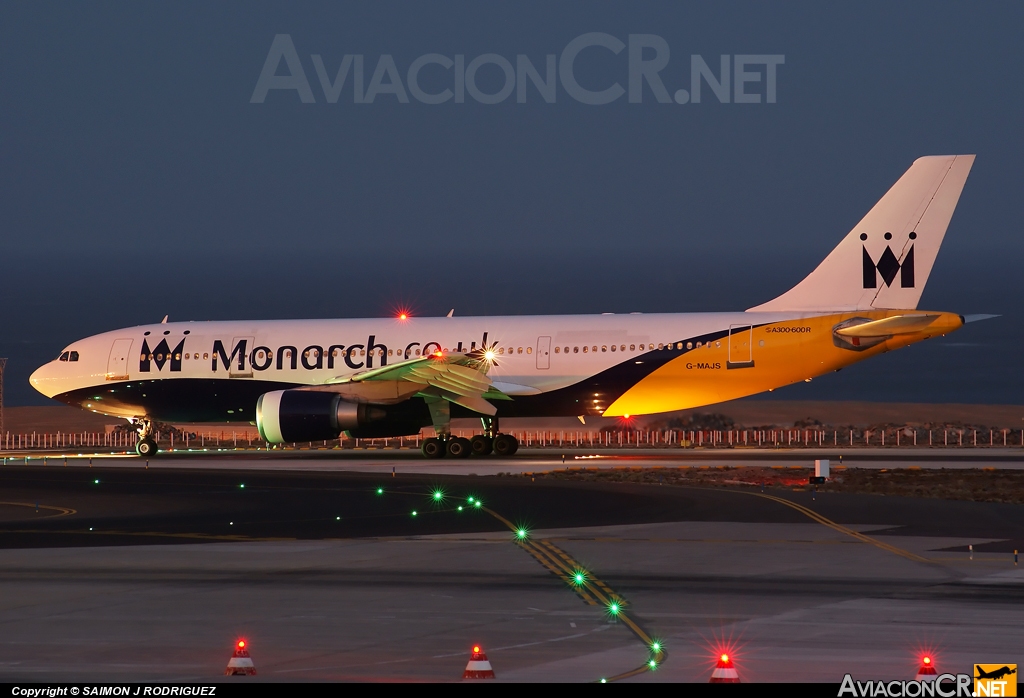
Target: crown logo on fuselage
160	355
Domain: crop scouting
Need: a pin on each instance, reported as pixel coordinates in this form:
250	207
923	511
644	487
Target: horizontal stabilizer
898	324
978	317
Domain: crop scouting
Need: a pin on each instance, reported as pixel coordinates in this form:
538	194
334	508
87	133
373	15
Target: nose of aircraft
42	379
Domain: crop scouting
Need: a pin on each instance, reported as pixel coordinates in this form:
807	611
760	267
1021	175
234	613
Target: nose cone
43	380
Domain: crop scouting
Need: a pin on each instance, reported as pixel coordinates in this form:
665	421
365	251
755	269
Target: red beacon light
926	660
241	644
403	316
725	659
476	649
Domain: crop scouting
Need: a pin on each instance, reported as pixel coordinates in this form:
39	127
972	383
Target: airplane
995	673
310	380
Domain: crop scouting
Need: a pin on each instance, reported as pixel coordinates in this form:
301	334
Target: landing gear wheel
480	445
459	448
505	445
433	448
146	447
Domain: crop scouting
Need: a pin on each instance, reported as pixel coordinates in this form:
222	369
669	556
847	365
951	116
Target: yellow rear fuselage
766	357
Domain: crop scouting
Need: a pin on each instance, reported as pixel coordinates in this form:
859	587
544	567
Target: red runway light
241	644
725	659
927	660
476	649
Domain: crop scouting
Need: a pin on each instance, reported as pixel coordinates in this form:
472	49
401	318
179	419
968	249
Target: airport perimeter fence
120	441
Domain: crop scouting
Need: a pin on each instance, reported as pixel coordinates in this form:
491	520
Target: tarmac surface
126	573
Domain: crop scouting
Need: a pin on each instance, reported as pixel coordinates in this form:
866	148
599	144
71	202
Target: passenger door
117	362
247	344
544	353
741	340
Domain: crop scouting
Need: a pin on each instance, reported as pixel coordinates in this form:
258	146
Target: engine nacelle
287	416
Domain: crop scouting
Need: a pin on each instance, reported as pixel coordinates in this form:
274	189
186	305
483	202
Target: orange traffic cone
240	663
927	670
478	667
724	671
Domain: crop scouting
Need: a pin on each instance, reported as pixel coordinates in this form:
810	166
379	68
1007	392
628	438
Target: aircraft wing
457	377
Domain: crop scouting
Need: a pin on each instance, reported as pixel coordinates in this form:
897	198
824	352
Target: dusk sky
141	179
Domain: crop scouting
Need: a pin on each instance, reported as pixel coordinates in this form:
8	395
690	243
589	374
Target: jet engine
287	416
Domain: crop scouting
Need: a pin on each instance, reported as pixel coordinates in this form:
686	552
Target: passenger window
362	352
391	352
566	350
718	344
632	347
575	350
417	352
557	349
594	348
63	357
529	350
519	350
613	347
584	350
206	356
604	347
689	345
622	348
177	357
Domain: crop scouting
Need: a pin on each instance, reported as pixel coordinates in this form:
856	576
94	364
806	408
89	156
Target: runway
409	460
127	574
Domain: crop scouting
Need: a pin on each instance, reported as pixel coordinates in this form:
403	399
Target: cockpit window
73	356
63	357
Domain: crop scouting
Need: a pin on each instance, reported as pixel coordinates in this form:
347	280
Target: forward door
117	362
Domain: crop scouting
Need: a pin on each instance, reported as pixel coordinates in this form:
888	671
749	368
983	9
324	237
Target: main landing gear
146	445
446	445
479	446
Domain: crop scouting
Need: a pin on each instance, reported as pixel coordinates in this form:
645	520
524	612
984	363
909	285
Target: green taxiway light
578	578
652	664
380	490
470	500
95	482
414	512
337	518
460	508
613	608
438	495
242	486
604	680
477	504
521	533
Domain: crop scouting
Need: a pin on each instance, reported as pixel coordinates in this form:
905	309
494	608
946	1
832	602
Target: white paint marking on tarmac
598	629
